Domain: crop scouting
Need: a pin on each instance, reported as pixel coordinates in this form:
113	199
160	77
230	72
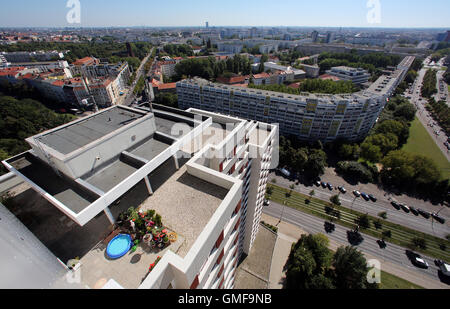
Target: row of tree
310	162
311	265
312	86
210	68
429	84
440	112
103	50
178	50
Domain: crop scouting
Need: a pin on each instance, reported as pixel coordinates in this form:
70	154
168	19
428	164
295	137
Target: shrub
383	215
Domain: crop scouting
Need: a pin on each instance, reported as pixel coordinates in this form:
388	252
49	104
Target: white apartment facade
355	75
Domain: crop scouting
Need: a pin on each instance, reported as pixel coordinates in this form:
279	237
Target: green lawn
420	142
391	282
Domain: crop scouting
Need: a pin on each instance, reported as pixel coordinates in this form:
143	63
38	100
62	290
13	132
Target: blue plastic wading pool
119	246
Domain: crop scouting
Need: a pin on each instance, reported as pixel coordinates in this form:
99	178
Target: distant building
330	37
355	75
315	36
443	37
207	25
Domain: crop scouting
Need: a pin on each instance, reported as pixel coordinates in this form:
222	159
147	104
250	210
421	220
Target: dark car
414	211
405	208
324	184
416	259
372	198
438	218
365	196
424	213
318	183
396	205
330	186
342	189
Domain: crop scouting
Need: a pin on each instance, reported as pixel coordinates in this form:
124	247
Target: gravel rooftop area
186	204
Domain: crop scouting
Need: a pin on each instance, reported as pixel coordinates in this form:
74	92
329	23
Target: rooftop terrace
186	204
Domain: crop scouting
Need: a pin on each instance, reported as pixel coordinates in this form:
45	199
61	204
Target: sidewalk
289	234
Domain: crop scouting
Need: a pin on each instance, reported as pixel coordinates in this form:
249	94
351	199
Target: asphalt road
392	253
140	71
348	200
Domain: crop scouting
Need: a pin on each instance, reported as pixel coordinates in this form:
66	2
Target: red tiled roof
84	61
261	75
167	86
231	80
329	77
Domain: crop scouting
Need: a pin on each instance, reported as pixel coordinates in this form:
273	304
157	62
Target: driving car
357	193
419	261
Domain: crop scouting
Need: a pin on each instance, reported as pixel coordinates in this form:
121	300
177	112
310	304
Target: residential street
392	255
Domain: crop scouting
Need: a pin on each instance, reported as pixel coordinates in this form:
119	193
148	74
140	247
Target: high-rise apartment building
310	117
205	173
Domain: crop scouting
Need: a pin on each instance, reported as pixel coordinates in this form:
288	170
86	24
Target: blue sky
314	13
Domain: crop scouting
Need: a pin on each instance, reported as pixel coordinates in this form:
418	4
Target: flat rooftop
186	204
212	135
69	138
65	191
259	136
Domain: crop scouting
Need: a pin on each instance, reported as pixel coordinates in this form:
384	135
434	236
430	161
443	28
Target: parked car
285	172
372	198
317	183
324	184
438	218
357	193
330	186
414	211
396	205
405	208
365	196
342	189
424	213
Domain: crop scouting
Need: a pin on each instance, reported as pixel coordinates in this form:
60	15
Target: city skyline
349	13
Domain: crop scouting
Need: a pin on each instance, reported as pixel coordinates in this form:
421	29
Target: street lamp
282	212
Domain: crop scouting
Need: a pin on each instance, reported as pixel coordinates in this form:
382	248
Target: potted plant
166	239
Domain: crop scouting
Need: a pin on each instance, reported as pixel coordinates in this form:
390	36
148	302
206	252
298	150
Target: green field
420	142
391	282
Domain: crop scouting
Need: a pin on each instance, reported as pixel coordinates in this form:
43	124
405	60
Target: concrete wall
25	263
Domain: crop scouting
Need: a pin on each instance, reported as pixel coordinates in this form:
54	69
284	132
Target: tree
335	200
308	263
350	268
371	153
399	129
418	242
364	221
